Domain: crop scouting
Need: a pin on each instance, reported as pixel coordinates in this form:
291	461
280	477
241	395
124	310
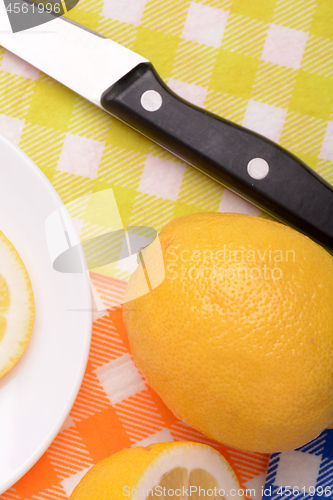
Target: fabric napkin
305	472
266	64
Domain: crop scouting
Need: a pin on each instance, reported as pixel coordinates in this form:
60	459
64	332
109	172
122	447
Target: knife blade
127	86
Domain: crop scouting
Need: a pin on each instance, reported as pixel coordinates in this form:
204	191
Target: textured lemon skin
106	480
248	362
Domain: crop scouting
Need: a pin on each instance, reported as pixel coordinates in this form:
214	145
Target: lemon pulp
17	309
179	478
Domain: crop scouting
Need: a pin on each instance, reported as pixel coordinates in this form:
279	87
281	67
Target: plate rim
44	445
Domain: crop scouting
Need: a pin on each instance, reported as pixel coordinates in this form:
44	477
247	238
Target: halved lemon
17	308
167	470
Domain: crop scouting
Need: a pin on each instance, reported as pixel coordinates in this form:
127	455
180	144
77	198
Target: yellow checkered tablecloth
265	64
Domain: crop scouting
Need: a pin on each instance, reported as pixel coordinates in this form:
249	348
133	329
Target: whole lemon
238	338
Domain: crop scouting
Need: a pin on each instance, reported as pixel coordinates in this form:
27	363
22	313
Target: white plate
38	393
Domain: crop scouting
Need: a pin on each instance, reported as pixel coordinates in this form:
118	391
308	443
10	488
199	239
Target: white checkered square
284	46
11	128
163	436
126	11
196	94
231	202
162	177
120	379
265	119
205	24
80	156
326	152
256	483
69	483
128	265
297	468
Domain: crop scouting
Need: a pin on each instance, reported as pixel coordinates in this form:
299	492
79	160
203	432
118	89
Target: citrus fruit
166	470
16	306
238	338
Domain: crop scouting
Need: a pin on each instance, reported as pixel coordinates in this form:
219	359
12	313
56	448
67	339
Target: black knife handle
291	191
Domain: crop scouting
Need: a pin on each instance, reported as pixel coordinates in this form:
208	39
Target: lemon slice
16	306
166	470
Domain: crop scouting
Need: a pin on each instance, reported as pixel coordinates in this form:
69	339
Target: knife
127	86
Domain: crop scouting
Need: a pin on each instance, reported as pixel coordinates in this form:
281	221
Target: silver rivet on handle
258	168
151	100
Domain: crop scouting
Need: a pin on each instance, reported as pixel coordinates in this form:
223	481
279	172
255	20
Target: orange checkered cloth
114	410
